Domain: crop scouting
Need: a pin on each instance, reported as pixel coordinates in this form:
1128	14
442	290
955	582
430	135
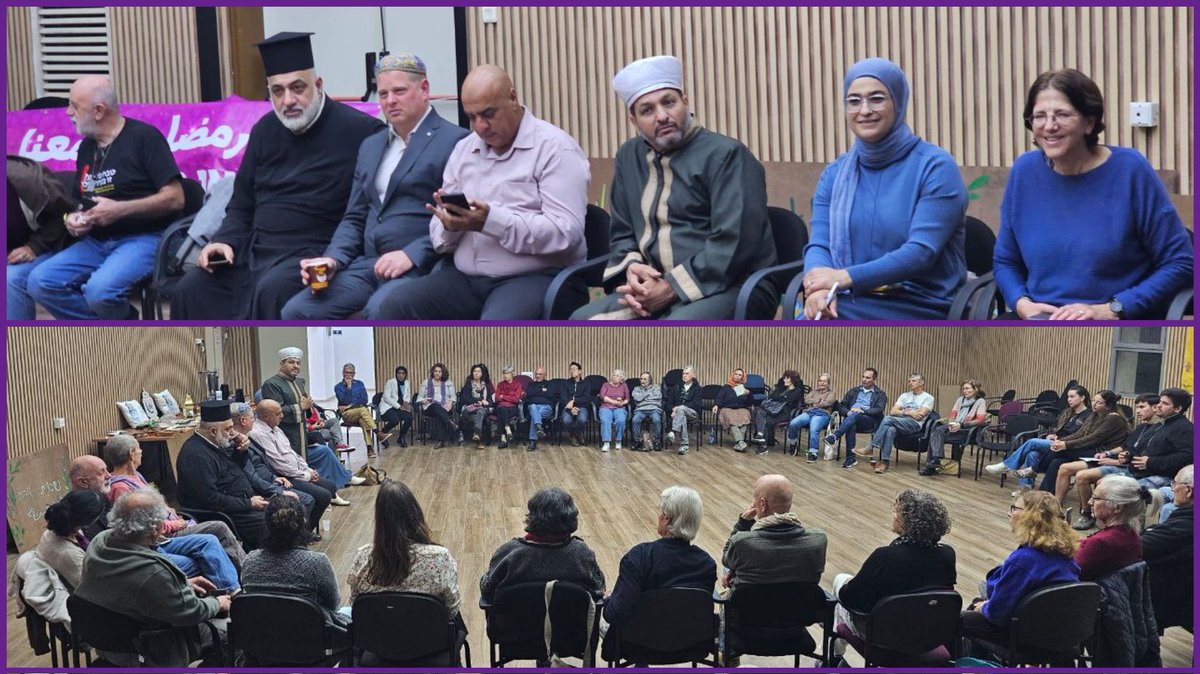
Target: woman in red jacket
508	400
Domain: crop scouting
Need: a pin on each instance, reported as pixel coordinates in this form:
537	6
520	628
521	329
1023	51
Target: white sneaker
355	481
996	468
339	501
618	445
604	447
671	438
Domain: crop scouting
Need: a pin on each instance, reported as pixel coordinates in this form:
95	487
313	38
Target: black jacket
658	564
675	396
1169	450
1128	630
213	479
540	393
898	568
262	478
579	391
1167	548
728	399
879	401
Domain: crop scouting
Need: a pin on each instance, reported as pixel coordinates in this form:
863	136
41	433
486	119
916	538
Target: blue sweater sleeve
939	212
816	253
1162	231
1007	264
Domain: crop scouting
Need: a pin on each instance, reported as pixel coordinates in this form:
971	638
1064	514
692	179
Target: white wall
331	348
344	34
270	341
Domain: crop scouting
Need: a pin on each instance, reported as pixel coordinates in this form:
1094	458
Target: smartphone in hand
457	199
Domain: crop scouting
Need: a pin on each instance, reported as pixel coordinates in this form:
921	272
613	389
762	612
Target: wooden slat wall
240	357
771	76
80	373
20	88
155	58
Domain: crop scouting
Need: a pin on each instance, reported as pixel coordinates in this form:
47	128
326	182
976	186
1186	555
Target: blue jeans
575	423
815	420
94	278
21	306
322	459
1028	455
538	413
608	417
885	435
655	417
201	555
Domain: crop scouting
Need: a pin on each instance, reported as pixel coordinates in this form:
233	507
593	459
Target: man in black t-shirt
126	169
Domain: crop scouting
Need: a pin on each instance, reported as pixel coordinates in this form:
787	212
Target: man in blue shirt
354	408
862	410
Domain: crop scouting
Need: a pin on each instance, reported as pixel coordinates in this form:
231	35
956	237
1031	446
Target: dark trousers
854	423
251	526
352	290
1052	461
939	436
234	294
449	294
397	417
322	492
442	417
505	416
980	631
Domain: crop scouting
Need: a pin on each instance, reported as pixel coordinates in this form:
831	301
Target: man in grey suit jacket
383	239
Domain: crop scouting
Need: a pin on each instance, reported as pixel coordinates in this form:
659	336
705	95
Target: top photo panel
699	163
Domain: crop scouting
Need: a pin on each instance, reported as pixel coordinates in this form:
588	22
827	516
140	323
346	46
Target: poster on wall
35	482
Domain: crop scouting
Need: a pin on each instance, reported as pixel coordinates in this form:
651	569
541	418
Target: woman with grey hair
508	400
669	561
549	550
124	454
614	411
915	560
1119	507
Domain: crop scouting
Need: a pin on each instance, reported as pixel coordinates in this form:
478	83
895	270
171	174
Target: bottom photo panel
487	496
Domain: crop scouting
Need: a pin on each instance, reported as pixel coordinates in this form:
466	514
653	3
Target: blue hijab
892	148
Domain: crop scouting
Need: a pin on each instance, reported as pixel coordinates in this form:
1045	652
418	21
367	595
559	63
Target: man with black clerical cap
289	195
212	475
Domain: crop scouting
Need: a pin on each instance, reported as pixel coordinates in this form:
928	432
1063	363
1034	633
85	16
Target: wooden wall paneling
241	361
21	88
154	54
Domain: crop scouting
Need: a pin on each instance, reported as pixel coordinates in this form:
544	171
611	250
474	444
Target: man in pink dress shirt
526	181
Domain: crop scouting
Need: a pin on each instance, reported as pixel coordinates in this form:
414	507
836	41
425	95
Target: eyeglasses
1061	118
875	102
1014	508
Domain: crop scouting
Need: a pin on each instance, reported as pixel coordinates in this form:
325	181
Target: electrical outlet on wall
1143	114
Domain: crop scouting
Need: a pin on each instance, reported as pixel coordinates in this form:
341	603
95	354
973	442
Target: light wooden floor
475	500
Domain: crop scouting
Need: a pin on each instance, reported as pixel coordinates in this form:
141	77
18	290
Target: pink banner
207	139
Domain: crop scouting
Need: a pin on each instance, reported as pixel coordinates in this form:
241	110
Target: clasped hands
1027	308
817	284
645	291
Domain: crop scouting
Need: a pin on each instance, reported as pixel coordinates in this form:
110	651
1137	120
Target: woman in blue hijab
888	216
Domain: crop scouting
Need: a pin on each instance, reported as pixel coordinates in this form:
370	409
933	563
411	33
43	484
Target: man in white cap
287	389
689	209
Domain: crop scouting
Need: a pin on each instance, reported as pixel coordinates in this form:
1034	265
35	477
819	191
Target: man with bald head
129	188
525	181
320	468
689	210
289	195
769	544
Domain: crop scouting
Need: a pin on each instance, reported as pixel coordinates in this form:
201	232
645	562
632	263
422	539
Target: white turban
290	352
646	75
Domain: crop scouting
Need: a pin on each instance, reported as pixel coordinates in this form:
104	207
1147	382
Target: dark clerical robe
288	392
288	197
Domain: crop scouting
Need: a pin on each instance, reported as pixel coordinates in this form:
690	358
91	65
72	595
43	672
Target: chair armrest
739	313
1180	305
550	303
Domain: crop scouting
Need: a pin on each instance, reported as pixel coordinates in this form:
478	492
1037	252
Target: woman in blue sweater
1045	555
887	224
1087	231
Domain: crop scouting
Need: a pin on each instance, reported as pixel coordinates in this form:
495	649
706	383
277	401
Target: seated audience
321	468
436	398
212	473
1119	507
814	415
904	419
540	398
888	232
1105	430
1066	249
395	406
124	573
862	411
1045	555
915	560
733	408
509	394
124	454
970	412
769	544
776	408
668	561
475	402
1168	549
263	478
614	397
354	407
63	543
285	565
1030	453
684	257
126	168
576	397
382	241
684	402
548	551
526	184
647	406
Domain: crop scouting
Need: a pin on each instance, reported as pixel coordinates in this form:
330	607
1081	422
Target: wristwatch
1115	306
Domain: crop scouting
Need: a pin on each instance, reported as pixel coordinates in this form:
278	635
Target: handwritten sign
207	139
34	483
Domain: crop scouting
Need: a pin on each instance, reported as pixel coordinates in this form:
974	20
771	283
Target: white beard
299	125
